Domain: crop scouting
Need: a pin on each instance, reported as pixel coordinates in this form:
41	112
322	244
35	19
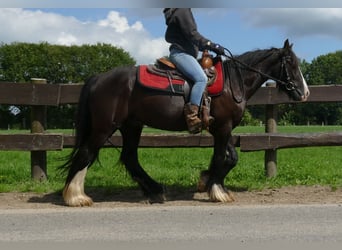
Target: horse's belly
162	112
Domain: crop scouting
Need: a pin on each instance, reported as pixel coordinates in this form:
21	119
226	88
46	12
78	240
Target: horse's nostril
305	97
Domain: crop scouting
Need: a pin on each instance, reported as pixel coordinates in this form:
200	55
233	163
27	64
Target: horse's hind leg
73	192
129	156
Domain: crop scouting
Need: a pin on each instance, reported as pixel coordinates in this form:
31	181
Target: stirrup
207	119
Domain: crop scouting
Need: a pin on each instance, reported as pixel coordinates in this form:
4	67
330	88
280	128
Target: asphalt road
168	225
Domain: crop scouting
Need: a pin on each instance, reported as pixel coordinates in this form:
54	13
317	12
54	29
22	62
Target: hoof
73	192
160	199
219	194
78	199
156	198
155	194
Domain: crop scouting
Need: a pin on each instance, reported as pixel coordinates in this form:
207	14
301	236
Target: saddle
165	77
166	68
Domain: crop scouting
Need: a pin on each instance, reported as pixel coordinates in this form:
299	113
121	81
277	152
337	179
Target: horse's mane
254	57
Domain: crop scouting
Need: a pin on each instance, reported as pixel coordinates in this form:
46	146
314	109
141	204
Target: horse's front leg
224	159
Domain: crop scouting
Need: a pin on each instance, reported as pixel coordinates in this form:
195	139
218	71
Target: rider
186	41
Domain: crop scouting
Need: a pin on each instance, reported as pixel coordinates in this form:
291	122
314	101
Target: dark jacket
182	31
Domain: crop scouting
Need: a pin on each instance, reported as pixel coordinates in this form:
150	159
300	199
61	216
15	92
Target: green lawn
181	167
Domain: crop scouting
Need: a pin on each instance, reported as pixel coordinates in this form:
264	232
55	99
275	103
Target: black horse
113	101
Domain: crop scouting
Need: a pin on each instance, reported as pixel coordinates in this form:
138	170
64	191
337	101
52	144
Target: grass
181	167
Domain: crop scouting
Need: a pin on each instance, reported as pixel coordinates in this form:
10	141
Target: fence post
38	121
271	127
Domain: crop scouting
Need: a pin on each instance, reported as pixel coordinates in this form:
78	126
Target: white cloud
66	39
326	22
119	23
19	25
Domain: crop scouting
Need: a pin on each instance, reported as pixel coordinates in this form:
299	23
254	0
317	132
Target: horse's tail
82	124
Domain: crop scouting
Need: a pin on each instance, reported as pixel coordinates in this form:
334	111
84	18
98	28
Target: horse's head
291	78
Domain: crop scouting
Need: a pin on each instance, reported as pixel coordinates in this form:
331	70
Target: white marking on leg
218	193
73	192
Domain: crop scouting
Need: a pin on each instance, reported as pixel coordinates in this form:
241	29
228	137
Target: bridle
289	85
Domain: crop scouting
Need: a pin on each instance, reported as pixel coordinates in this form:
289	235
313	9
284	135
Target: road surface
168	225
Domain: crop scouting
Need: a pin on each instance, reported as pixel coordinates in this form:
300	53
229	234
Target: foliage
19	62
248	120
325	70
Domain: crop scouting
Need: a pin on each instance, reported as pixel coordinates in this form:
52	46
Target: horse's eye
289	59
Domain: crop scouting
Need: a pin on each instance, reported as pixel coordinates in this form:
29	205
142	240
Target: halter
289	84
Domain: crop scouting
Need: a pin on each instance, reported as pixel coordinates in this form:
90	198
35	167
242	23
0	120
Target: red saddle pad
157	82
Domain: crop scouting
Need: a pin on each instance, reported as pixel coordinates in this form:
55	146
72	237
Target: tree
323	70
19	62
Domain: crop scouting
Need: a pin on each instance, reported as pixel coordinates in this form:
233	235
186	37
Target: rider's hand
218	49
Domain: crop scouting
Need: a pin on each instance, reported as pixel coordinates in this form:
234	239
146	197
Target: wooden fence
39	95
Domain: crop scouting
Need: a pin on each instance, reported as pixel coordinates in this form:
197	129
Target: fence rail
246	142
58	94
39	95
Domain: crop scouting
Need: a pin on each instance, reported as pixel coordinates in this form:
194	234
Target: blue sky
314	31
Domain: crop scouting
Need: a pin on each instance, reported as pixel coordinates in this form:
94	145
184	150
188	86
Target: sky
140	31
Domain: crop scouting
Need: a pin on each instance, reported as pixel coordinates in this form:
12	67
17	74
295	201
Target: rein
289	85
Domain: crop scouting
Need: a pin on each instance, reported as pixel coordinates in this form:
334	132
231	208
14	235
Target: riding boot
192	120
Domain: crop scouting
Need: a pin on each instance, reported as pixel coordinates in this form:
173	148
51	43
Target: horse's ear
287	44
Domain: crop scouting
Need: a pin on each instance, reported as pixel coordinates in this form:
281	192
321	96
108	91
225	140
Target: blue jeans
189	66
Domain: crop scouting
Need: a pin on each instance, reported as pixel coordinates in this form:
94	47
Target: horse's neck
253	81
252	84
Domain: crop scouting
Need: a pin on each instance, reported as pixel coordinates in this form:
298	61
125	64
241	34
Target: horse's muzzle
305	96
